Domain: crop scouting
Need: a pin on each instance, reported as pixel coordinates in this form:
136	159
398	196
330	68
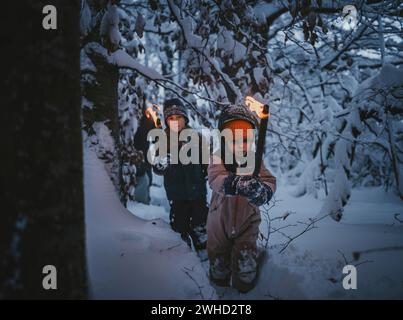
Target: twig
346	262
268	294
196	283
170	248
309	226
396	217
357	254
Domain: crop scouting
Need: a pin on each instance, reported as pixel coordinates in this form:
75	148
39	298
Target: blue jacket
184	182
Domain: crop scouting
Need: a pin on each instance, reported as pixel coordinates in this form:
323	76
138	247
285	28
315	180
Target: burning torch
152	113
262	111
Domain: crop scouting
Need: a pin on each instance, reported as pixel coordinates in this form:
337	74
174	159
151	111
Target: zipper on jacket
233	219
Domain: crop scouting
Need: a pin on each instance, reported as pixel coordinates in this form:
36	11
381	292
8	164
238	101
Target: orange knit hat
238	124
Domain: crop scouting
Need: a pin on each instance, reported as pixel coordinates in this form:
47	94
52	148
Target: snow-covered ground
311	267
132	258
135	255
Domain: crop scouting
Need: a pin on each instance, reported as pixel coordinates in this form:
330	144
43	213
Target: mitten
230	184
247	185
257	192
233	184
262	194
161	164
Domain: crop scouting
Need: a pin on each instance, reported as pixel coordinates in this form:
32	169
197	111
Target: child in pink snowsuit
234	216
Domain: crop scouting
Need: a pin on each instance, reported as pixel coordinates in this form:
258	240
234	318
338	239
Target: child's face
242	143
176	123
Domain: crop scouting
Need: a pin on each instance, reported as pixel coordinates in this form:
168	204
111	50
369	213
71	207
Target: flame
257	107
152	112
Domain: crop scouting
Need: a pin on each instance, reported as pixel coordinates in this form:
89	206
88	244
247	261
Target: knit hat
174	107
237	124
236	112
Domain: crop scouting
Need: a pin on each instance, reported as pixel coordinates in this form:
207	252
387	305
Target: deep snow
135	255
131	258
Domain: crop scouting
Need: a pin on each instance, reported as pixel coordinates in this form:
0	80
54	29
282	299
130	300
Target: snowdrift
130	258
142	258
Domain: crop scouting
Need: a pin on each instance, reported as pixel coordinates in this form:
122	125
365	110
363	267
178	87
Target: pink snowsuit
233	229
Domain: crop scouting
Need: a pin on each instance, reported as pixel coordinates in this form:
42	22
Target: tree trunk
42	175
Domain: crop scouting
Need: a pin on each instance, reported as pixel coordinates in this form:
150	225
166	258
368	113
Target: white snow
140	23
389	77
239	52
124	245
225	41
134	258
372	206
303	270
124	60
85	18
85	62
110	25
186	24
131	258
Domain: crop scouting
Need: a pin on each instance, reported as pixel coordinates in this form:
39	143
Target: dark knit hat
174	107
236	112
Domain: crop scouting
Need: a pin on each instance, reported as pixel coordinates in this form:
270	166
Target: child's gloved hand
161	163
261	195
230	184
257	192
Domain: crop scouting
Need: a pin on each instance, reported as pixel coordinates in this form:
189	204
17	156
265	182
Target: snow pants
188	217
233	230
233	257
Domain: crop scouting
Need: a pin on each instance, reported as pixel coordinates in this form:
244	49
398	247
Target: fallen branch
358	254
171	247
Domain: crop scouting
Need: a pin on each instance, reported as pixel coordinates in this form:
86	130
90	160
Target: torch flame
152	112
257	107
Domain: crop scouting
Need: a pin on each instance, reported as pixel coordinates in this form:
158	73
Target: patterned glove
262	194
257	192
230	184
161	164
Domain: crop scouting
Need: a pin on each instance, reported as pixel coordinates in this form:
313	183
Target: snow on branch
195	43
122	59
357	35
192	40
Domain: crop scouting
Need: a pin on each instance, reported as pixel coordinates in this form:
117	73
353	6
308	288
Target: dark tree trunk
42	215
104	95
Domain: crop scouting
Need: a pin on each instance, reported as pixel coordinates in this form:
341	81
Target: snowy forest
88	201
333	85
331	74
